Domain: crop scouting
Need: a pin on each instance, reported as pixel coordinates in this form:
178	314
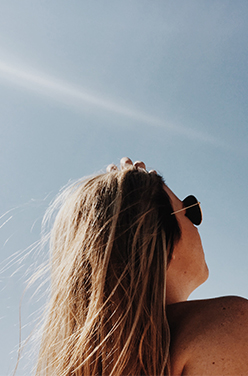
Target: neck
176	294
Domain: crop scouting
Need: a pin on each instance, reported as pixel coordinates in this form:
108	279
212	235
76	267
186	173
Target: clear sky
84	83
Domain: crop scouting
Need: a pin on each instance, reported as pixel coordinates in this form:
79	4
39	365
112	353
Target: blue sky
83	84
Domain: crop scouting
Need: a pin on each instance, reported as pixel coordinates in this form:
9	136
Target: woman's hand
126	163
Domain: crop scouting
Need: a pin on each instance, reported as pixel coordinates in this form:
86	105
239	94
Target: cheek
189	250
198	266
190	238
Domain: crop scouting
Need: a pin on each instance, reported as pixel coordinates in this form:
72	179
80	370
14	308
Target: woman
125	256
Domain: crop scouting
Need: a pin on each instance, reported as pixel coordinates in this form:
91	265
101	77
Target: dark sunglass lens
194	213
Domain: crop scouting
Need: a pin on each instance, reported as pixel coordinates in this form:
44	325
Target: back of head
111	242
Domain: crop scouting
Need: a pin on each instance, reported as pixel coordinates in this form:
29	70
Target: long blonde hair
110	246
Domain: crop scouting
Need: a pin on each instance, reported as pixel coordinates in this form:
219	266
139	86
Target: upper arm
219	344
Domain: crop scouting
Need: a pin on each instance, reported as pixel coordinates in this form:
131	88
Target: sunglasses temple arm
187	207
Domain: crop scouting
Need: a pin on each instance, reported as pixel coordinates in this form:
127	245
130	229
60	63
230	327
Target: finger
139	164
125	162
153	172
111	167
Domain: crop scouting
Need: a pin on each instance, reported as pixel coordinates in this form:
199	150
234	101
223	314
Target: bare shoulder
209	337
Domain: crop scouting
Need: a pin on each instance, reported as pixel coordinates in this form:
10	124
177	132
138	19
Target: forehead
176	202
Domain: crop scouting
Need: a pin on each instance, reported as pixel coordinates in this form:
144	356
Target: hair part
110	247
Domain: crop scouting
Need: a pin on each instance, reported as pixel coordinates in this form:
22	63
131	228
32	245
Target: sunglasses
193	210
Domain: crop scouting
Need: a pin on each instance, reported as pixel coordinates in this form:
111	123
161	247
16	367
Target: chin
204	274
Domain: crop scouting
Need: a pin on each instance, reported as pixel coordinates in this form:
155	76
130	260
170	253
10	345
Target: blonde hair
110	245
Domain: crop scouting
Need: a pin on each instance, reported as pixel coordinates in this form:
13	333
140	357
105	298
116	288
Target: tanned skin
209	337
